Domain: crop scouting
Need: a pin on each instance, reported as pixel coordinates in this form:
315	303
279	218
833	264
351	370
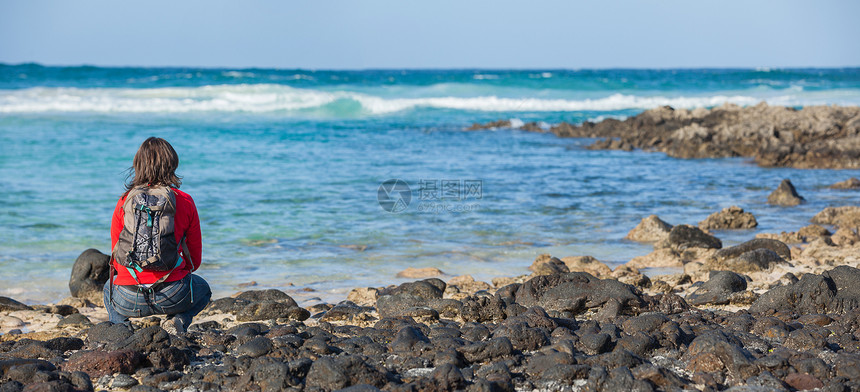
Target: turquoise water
285	167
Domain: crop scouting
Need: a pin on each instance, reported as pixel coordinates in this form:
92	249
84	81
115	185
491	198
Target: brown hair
154	164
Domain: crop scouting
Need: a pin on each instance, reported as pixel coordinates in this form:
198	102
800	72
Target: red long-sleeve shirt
186	222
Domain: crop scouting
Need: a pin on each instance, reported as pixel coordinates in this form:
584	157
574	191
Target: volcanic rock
851	183
650	229
846	216
89	274
586	264
729	218
718	288
785	195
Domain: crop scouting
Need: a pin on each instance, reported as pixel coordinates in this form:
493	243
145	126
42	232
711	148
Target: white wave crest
264	98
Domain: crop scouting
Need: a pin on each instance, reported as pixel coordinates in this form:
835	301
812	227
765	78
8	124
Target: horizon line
211	67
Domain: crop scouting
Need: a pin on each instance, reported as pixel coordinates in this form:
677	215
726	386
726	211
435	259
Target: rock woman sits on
156	242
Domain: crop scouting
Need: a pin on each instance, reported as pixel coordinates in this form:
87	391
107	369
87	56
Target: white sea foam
516	123
265	98
238	74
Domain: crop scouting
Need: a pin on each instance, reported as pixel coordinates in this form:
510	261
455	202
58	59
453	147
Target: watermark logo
434	196
394	195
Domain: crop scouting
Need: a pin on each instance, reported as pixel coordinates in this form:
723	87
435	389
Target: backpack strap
178	263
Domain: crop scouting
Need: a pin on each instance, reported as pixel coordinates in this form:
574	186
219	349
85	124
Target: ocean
316	182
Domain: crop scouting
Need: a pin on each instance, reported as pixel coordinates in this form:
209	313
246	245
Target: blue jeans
183	298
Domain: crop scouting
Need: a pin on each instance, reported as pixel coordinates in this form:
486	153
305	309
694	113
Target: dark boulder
484	309
662	378
845	281
523	337
716	351
100	363
346	311
834	291
446	307
170	358
755	260
537	364
409	339
23	370
776	246
614	359
144	340
399	301
803	381
621	379
27	349
595	343
62	310
272	310
270	374
255	347
397	305
75	319
718	288
63	344
805	339
225	305
426	289
248	330
89	274
566	373
267	295
574	292
448	377
9	305
107	332
639	343
685	236
487	350
331	373
256	305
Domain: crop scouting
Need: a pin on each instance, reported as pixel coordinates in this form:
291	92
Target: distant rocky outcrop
732	217
846	216
851	183
775	136
785	195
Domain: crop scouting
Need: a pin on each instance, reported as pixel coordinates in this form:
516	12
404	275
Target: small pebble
123	381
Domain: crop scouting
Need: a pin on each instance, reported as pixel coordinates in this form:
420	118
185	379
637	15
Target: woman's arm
193	237
188	224
116	223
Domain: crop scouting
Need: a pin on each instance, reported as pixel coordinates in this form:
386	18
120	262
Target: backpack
147	241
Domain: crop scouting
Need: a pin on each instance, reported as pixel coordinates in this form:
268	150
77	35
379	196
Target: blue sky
354	34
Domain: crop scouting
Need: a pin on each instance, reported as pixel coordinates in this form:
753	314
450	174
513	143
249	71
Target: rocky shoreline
776	313
774	136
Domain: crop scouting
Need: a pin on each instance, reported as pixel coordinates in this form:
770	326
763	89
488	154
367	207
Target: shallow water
288	195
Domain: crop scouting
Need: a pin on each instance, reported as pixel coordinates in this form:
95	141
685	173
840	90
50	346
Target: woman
141	292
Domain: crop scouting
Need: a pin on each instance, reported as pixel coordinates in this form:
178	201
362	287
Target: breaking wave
272	98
